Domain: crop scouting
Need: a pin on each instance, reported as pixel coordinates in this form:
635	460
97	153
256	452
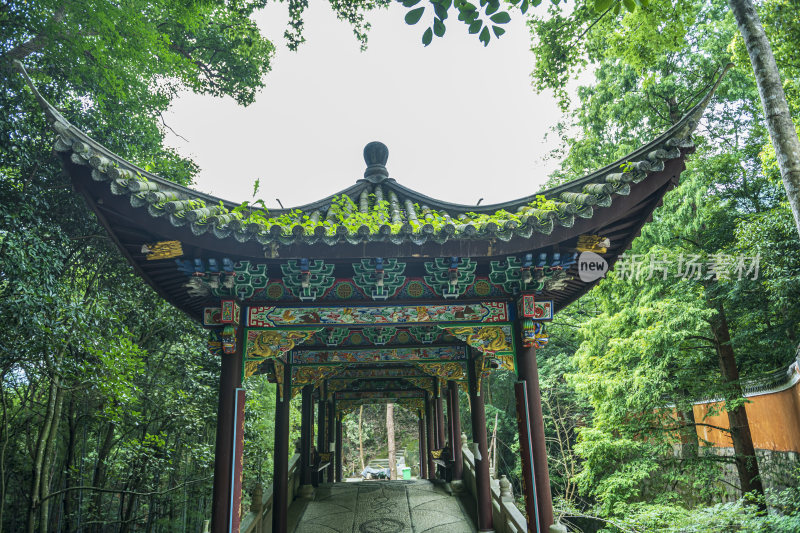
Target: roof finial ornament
375	155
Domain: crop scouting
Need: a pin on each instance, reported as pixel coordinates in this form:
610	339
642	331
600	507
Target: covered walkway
378	294
381	506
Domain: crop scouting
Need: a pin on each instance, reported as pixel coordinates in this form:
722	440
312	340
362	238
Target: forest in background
109	395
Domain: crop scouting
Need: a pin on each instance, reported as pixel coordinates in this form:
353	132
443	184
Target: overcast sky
461	121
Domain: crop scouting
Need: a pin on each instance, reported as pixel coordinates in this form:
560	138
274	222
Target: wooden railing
259	519
507	518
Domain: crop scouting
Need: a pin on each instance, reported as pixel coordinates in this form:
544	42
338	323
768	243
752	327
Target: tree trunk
743	449
69	460
39	457
690	442
47	467
360	437
773	100
390	441
6	430
99	479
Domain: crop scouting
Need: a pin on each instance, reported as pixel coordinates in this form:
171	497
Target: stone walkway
383	507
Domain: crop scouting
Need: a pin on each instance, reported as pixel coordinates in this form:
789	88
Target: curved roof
375	217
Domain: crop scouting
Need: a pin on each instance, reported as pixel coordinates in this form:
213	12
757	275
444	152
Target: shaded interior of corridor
382	507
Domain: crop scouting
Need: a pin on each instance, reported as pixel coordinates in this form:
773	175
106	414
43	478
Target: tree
566	43
782	129
89	354
650	343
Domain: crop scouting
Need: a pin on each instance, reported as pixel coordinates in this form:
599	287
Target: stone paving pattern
384	507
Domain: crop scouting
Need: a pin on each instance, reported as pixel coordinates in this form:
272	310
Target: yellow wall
774	421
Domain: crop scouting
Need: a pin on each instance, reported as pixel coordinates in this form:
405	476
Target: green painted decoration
515	276
379	278
307	280
380	336
333	336
450	278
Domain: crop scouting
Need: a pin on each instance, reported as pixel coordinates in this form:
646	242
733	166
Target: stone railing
507	518
259	519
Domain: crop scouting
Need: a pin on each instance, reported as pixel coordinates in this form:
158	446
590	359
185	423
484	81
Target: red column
423	463
230	379
306	424
454	415
478	415
338	451
526	454
429	437
440	439
321	431
528	373
331	438
280	472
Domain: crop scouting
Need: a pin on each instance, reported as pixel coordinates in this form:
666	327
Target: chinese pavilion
377	294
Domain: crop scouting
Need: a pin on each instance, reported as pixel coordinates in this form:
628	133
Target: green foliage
345	214
103	385
736	517
488	14
645	349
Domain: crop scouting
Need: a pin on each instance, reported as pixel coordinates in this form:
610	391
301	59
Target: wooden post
306	423
338	451
429	436
448	405
440	438
321	432
454	414
280	472
230	379
423	463
526	453
528	372
478	416
331	440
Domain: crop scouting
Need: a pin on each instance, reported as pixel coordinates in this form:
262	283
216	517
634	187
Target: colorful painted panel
212	316
316	357
310	375
230	312
488	339
543	310
271	317
446	371
274	343
343	336
351	373
162	250
527	303
529	307
374	395
494	341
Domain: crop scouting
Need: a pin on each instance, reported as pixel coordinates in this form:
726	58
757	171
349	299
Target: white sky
461	121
